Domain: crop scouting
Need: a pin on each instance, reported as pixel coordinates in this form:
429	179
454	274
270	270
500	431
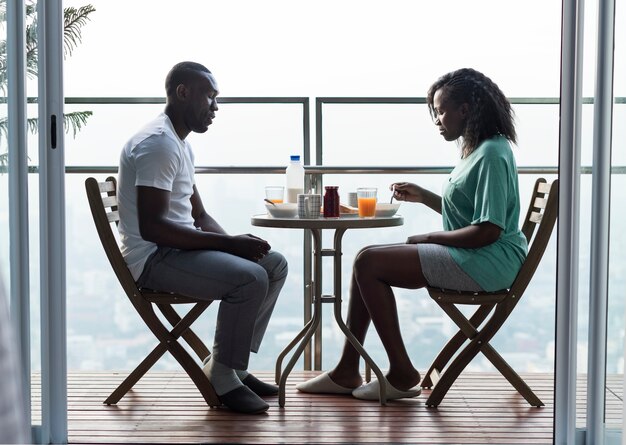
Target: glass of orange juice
275	193
366	198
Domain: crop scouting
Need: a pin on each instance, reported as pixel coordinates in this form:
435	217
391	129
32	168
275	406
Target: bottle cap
295	157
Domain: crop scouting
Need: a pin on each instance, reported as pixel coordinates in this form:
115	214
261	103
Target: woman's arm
406	191
470	237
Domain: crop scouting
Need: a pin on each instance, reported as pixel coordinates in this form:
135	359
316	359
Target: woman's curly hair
489	113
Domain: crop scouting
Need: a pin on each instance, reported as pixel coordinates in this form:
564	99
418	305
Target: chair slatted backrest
102	197
540	218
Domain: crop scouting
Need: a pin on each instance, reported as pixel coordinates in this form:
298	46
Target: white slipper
322	384
371	391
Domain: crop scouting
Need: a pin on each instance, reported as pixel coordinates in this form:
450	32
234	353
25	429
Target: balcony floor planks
165	407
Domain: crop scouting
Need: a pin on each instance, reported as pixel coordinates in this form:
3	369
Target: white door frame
52	223
18	191
568	222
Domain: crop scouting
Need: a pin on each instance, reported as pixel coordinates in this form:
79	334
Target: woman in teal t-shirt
480	248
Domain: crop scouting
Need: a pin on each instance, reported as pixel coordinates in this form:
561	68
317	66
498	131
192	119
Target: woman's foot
332	382
346	379
371	391
403	381
322	384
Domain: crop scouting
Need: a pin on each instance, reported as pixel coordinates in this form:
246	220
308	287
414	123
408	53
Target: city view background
320	49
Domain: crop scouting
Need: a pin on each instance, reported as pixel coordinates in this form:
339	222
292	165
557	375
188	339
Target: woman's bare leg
376	269
346	372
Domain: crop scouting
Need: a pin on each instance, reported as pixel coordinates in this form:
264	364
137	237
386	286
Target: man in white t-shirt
171	244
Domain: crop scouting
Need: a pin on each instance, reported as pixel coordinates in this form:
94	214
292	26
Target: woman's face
449	117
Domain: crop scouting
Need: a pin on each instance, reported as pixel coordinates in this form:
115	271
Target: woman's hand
407	191
418	239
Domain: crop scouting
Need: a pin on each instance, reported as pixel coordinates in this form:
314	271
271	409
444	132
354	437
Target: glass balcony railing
356	142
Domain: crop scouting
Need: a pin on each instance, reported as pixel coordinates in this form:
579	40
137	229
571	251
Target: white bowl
386	210
283	210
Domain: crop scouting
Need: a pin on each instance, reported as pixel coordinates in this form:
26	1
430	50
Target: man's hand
248	246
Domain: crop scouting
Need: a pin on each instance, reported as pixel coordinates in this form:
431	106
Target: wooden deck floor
165	407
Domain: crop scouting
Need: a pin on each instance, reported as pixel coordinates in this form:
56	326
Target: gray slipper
259	387
243	400
371	391
322	384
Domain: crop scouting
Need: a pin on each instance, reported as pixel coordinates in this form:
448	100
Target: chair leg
134	376
453	371
194	372
513	377
470	351
479	343
189	335
451	348
169	339
147	363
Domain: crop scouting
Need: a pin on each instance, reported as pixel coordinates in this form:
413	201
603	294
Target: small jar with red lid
331	201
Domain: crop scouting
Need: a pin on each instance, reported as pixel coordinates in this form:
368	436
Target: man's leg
241	285
276	267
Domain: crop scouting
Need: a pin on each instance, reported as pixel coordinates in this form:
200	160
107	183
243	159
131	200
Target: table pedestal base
305	335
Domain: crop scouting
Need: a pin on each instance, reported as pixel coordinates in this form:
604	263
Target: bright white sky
324	48
318	48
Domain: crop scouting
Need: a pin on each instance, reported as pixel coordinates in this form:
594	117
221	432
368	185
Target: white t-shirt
154	157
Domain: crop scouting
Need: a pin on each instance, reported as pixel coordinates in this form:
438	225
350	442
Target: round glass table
313	318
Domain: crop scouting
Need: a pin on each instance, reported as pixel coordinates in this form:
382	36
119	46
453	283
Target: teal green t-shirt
484	187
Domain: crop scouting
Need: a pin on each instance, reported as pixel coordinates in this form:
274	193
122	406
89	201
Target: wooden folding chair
542	213
103	203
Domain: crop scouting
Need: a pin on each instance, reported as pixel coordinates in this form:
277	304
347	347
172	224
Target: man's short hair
181	73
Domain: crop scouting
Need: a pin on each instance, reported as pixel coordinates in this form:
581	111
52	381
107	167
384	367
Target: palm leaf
31	126
75	120
73	21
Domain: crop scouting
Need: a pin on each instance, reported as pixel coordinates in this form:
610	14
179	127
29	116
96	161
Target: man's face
202	103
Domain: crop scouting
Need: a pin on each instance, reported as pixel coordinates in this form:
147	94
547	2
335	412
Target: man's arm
202	219
152	209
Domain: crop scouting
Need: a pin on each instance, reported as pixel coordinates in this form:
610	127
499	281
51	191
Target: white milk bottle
295	178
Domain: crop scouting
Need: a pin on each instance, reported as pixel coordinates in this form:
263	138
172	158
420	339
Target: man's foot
243	400
258	387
